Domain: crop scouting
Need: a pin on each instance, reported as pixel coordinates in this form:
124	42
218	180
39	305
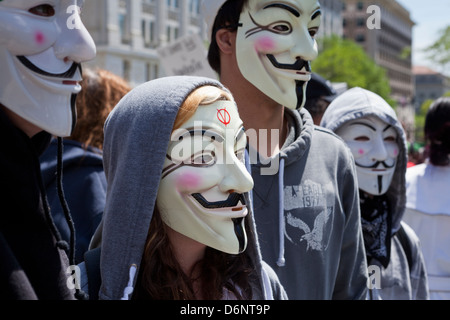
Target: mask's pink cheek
264	44
360	152
39	38
395	152
188	181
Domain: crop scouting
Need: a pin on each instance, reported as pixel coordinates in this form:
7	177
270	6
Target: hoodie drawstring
79	294
129	288
281	261
249	170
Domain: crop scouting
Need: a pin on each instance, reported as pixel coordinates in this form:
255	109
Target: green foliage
419	120
342	60
406	53
439	51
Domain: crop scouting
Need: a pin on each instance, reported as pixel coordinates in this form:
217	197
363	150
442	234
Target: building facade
129	32
331	18
384	29
429	84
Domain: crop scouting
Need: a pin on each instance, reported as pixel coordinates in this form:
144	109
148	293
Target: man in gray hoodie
377	140
305	195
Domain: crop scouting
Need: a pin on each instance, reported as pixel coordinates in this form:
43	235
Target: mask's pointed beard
380	184
240	233
300	93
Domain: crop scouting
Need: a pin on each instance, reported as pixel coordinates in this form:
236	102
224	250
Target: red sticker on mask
224	116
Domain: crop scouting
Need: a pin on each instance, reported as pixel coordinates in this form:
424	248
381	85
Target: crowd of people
263	184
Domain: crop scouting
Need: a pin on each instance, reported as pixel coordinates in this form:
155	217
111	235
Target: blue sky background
430	16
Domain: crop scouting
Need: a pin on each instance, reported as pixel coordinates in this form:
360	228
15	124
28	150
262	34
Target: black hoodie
32	266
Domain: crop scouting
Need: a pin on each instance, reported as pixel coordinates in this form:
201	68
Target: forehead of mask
374	146
282	30
213	125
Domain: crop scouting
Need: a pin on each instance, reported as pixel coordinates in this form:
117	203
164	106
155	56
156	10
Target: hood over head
357	103
137	135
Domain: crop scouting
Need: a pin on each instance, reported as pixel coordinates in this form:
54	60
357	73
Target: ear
225	40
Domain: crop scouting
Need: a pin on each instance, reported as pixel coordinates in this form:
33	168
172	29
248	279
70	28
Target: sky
430	17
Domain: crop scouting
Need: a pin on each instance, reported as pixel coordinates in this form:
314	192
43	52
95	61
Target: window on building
144	31
122	26
360	22
360	38
126	70
173	3
152	31
168	34
360	5
194	7
151	71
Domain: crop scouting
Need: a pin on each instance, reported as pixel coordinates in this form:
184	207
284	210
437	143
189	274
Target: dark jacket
84	186
32	266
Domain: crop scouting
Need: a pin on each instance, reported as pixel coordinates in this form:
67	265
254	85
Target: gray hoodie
137	134
398	280
307	214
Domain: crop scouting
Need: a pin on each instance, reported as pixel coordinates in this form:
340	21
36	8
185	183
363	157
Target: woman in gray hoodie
176	224
376	138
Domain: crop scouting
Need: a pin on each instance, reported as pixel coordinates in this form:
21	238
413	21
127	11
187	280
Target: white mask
42	44
204	177
374	145
275	45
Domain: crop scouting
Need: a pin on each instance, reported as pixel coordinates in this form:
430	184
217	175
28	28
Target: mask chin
375	185
41	100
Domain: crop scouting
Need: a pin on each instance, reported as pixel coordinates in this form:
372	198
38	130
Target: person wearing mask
319	94
427	200
177	225
305	196
370	128
84	180
40	60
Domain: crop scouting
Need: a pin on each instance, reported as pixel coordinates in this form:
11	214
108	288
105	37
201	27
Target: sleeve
418	273
276	289
351	280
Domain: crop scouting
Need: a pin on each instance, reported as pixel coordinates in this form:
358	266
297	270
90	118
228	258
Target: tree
439	51
342	60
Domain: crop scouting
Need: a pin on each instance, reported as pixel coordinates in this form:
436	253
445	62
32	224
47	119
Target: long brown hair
101	91
161	276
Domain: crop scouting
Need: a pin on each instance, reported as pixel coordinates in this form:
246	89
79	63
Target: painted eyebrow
364	124
316	14
387	128
283	6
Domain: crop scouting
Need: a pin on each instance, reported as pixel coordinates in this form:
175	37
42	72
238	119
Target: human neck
27	127
187	251
263	118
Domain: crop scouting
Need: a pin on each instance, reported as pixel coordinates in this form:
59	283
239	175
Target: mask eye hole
205	158
43	10
313	32
362	138
280	27
390	139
